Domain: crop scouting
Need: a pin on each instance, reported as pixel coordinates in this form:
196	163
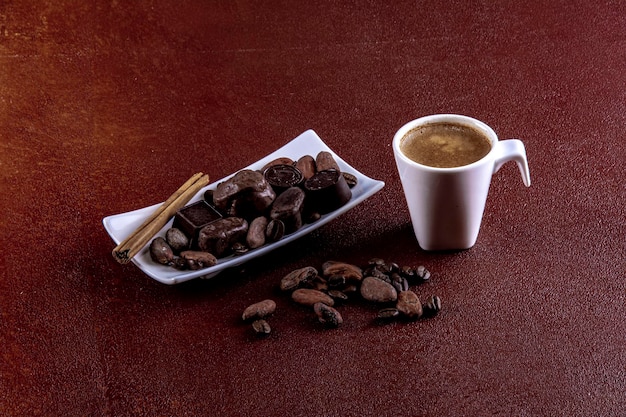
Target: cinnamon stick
130	246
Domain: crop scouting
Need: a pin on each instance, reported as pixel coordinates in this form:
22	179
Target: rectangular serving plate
119	226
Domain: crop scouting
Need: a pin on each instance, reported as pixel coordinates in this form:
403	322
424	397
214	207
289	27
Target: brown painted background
106	107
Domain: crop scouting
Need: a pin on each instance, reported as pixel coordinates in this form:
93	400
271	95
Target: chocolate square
190	219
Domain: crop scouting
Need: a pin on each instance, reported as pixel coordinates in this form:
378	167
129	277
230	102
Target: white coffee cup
446	205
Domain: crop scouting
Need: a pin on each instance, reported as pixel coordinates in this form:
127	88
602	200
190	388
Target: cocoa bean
298	278
351	179
275	231
432	306
261	327
347	271
177	240
256	232
409	304
325	161
198	259
378	291
306	165
259	310
283	160
327	315
309	297
161	252
388	313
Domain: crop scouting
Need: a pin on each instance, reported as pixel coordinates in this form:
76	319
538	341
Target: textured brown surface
109	107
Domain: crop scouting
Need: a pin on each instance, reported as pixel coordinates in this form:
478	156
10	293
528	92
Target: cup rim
445	117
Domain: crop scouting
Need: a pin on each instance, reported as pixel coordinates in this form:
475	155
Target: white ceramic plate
119	226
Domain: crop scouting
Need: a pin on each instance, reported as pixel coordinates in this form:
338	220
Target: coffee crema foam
445	145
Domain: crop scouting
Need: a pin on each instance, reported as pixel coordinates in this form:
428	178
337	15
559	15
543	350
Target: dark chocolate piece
327	191
190	219
282	176
247	194
288	208
219	236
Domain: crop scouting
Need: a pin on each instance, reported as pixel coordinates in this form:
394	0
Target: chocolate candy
282	176
327	191
192	218
219	236
246	194
288	208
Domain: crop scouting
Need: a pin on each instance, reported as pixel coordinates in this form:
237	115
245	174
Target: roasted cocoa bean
351	179
409	305
298	278
338	296
432	306
327	315
256	232
325	161
261	327
320	284
388	313
348	272
161	252
378	291
408	272
422	273
399	282
309	297
283	160
275	231
259	310
198	259
306	165
177	240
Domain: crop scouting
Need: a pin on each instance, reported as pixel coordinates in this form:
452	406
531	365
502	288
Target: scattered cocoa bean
259	310
422	273
409	304
327	315
261	327
338	296
298	278
378	291
432	306
344	270
309	297
388	313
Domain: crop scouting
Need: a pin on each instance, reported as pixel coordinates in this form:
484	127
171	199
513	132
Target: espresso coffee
445	145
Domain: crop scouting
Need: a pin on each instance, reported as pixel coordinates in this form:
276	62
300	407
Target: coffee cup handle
512	150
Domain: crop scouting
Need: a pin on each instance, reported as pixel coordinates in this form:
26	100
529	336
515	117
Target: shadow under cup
446	205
